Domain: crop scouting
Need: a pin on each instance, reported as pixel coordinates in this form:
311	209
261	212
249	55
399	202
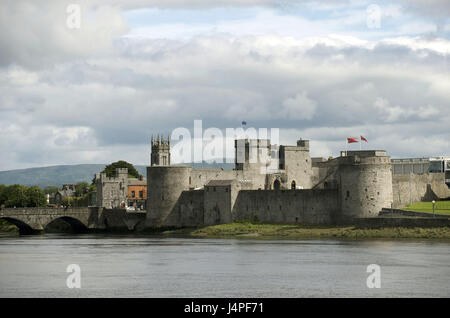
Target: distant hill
58	175
51	176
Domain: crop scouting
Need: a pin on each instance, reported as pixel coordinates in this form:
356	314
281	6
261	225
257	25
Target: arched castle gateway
291	189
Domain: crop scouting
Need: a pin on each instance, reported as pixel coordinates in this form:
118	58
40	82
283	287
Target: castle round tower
164	187
365	179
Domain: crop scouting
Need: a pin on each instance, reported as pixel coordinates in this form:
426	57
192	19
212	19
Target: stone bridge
30	220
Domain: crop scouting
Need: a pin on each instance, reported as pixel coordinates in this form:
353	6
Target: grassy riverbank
259	230
280	231
440	207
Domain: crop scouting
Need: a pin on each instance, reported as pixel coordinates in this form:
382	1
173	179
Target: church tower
160	151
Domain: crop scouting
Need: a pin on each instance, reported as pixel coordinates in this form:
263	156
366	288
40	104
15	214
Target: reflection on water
145	266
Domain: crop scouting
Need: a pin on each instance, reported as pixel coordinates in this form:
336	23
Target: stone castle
289	188
275	184
269	184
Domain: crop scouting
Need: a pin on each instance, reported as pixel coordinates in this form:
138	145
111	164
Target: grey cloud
59	104
122	100
35	33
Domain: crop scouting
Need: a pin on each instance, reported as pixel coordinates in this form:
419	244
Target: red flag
362	138
352	139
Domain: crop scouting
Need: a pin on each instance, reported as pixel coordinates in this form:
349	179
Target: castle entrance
276	185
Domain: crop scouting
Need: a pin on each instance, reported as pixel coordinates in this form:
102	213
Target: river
146	266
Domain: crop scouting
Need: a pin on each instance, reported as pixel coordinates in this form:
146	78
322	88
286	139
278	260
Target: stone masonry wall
287	206
188	210
408	189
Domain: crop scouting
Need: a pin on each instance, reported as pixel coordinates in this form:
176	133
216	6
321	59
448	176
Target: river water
146	266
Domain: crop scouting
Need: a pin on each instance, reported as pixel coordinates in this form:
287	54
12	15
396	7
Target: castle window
190	180
276	185
293	185
348	194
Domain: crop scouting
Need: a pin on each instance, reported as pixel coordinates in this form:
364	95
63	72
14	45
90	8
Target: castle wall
297	165
248	179
165	186
217	205
287	206
220	197
201	176
408	189
365	185
324	174
111	192
187	211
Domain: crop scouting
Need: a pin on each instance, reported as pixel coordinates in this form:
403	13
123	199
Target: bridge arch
76	225
24	228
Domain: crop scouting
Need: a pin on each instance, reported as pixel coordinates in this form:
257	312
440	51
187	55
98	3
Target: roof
66	193
137	182
218	183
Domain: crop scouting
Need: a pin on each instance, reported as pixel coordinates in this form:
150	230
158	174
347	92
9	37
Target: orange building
137	193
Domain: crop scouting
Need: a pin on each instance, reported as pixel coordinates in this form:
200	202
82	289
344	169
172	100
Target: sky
97	90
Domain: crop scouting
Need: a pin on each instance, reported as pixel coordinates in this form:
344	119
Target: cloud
97	96
35	34
395	113
83	111
299	107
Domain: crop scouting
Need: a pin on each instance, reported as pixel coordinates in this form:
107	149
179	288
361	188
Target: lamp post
433	207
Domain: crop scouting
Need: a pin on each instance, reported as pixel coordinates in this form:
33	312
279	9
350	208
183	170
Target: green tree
35	197
110	169
92	188
15	196
81	188
2	194
21	196
67	201
50	190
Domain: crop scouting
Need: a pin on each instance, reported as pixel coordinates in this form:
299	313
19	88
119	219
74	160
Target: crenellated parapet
365	183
